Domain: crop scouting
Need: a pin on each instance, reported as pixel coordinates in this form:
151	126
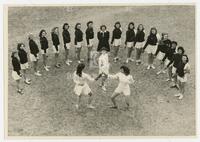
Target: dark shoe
114	107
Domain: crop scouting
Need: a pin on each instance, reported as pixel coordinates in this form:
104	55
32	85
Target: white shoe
180	97
164	71
127	60
79	61
46	68
168	80
67	63
77	106
38	73
177	95
132	60
158	73
148	67
90	106
152	67
104	88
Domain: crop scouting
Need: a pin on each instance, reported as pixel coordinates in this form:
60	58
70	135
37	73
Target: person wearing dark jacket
168	57
151	47
16	74
163	46
89	38
67	42
116	40
23	61
78	41
34	54
129	42
183	69
44	48
176	59
139	43
103	36
56	44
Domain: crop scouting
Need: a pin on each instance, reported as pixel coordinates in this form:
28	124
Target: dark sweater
116	34
139	36
169	54
152	40
33	47
163	46
78	36
176	59
66	36
89	34
22	56
180	69
103	40
130	35
44	43
16	65
55	39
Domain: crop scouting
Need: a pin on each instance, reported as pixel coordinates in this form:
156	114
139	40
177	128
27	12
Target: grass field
47	107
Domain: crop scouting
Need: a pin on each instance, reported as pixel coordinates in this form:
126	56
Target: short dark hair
77	25
79	69
174	42
40	34
187	60
181	48
131	23
117	23
19	45
65	24
153	28
89	23
125	69
13	54
103	26
139	26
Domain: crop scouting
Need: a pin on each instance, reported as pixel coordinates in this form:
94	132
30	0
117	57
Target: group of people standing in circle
172	58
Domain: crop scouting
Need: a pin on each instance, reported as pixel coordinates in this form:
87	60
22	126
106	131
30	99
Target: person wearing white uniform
81	87
103	67
125	79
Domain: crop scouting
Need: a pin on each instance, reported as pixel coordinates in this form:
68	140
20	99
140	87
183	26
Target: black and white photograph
100	70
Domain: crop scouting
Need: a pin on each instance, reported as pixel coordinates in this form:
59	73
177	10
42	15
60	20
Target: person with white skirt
16	74
169	57
183	69
34	54
129	42
116	40
44	48
89	38
139	43
151	46
125	79
104	66
67	42
163	46
78	41
56	45
81	86
23	58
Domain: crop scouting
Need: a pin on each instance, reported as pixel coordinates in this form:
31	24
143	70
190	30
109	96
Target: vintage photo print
108	70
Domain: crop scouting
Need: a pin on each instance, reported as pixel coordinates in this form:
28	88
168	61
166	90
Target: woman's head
13	54
65	26
42	33
117	25
20	46
140	27
55	30
125	70
103	27
185	59
30	36
181	50
90	24
174	44
153	31
78	26
79	69
164	36
131	26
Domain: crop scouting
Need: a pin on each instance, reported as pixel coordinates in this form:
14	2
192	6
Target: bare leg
89	51
116	48
127	98
170	72
90	98
66	54
44	60
113	98
78	101
149	59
